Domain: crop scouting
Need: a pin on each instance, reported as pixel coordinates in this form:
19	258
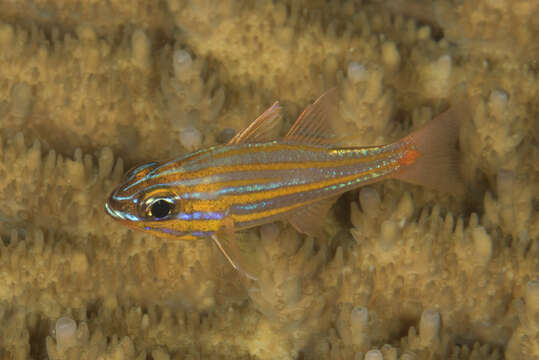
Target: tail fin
435	161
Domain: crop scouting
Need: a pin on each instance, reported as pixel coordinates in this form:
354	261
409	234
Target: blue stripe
336	188
201	215
180	233
202	233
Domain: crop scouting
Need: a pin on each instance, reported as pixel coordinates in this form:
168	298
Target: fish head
144	202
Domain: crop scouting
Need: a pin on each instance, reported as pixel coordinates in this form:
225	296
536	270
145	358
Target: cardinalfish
255	179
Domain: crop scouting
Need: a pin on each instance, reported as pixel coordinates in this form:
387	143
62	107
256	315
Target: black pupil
160	208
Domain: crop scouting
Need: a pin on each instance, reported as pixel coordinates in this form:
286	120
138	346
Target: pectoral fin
226	242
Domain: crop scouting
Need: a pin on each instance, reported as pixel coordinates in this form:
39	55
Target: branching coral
431	271
289	293
14	335
403	273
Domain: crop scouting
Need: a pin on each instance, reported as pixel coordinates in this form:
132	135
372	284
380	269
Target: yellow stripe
214	187
271	212
187	225
260	167
224	202
276	147
220	185
270	166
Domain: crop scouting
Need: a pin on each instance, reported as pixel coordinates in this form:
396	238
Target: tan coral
523	342
14	336
419	274
289	294
115	103
417	265
75	342
512	211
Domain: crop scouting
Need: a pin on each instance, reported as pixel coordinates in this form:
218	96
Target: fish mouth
110	211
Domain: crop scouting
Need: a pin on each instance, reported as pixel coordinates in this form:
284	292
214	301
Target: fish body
255	179
250	183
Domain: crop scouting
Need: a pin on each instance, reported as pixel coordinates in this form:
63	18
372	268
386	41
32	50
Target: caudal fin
433	161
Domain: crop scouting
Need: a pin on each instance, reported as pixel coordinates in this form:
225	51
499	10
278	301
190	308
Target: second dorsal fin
262	129
313	126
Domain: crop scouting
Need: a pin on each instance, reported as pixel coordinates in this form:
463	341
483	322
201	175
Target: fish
257	179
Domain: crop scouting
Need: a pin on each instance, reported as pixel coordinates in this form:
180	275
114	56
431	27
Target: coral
90	88
285	291
524	341
15	334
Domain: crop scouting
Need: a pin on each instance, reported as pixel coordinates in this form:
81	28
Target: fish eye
159	207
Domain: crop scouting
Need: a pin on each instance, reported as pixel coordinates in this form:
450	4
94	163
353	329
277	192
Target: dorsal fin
313	126
262	129
309	219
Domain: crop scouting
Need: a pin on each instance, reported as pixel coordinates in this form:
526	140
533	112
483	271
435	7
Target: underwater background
91	88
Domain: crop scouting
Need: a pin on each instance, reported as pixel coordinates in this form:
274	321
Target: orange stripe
290	147
260	167
223	203
188	225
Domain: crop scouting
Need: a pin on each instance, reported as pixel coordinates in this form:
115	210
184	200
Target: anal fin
309	219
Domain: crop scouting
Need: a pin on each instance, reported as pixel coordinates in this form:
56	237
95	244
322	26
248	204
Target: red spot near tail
410	157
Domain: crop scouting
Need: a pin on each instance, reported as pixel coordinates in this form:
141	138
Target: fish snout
120	209
111	207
